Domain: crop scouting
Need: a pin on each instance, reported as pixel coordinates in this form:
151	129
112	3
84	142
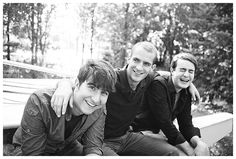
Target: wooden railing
37	68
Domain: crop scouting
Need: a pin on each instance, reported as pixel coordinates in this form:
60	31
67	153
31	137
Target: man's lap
137	144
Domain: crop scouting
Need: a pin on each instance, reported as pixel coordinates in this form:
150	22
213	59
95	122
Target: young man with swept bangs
81	130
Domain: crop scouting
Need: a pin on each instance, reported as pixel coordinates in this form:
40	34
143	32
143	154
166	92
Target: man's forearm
61	96
64	82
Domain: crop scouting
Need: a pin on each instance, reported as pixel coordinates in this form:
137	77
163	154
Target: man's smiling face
140	64
88	98
183	74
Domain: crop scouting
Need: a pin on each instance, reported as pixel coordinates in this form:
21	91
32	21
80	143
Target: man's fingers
53	102
58	106
71	101
64	106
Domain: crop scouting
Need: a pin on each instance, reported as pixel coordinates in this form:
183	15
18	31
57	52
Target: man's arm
194	93
191	133
200	148
33	129
184	119
61	97
92	140
159	104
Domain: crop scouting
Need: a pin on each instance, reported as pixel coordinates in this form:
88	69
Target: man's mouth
138	73
184	80
90	104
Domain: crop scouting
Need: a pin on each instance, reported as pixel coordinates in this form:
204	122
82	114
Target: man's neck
132	84
177	89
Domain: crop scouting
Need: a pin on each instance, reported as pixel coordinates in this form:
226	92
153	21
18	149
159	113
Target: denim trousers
137	144
73	149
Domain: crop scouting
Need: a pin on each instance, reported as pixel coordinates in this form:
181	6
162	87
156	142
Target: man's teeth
184	80
90	104
137	73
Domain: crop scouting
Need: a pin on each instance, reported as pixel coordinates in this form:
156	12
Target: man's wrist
195	141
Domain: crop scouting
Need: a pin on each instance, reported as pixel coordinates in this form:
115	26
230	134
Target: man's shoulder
44	91
163	79
43	96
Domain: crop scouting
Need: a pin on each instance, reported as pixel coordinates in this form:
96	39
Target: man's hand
186	148
92	154
194	93
61	97
201	148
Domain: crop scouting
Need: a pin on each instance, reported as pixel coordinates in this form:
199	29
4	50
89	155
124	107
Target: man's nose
139	66
186	73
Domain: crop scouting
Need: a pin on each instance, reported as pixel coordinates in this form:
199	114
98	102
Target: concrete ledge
214	127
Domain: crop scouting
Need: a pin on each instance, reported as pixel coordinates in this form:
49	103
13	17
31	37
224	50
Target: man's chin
184	86
88	113
138	79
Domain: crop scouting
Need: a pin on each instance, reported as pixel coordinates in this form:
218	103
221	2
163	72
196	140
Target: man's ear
154	66
128	59
76	82
171	70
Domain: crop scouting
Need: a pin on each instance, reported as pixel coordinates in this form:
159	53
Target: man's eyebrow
90	83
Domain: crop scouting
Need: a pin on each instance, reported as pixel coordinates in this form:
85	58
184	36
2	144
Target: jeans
73	149
137	144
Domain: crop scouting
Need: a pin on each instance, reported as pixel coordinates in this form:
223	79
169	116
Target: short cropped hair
148	46
101	74
184	56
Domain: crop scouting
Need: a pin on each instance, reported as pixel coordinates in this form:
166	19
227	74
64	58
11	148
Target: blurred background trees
78	31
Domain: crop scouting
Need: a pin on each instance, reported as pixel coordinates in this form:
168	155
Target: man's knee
107	151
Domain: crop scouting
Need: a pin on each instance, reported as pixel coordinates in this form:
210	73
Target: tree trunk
170	43
125	36
32	35
92	30
8	33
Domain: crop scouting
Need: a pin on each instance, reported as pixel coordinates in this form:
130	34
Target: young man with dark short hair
81	130
167	99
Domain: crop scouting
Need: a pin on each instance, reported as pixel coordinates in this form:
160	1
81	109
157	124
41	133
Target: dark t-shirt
123	105
71	124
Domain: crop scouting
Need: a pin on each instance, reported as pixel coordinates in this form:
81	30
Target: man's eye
105	93
191	71
147	64
93	88
182	70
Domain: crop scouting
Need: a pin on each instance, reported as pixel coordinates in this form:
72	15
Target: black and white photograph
117	78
